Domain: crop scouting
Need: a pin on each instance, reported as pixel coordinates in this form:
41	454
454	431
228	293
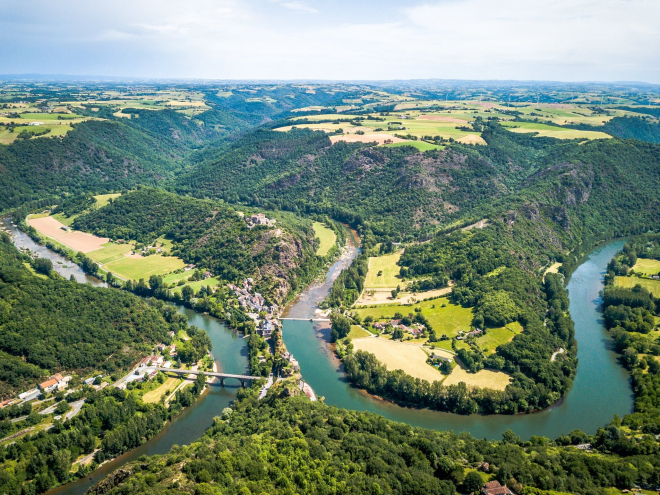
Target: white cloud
301	6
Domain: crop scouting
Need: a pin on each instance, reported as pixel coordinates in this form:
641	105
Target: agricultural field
445	320
167	387
410	358
647	267
498	336
103	199
420	145
327	237
384	296
111	257
497	380
209	282
653	286
144	266
546	130
388	269
357	332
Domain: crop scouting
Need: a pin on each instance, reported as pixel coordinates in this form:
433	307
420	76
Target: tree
341	326
42	265
187	293
62	407
473	482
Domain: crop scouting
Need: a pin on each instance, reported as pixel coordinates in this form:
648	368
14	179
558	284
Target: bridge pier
222	382
243	383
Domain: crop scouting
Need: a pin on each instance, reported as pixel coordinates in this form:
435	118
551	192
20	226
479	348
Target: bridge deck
209	373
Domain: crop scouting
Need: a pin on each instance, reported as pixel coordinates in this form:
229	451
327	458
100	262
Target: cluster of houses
155	361
254	304
494	488
259	219
416	329
292	361
55	383
474	333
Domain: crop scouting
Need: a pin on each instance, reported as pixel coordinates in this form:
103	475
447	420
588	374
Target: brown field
82	241
400	356
482	379
365	138
78	241
554	268
48	226
154	395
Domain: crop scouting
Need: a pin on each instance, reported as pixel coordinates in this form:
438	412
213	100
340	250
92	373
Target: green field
110	252
103	199
647	267
197	285
173	278
144	267
61	217
448	320
327	237
552	131
653	286
390	272
498	336
420	145
357	332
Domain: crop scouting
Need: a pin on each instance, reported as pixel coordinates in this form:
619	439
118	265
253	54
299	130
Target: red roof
48	383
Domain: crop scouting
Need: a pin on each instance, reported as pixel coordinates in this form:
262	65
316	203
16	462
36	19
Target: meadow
647	267
653	286
445	320
327	237
388	269
410	358
209	282
546	130
496	380
497	336
144	267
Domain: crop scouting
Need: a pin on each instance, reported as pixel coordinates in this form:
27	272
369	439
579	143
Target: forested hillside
50	324
291	445
213	236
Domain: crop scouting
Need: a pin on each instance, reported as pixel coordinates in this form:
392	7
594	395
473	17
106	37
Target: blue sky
570	40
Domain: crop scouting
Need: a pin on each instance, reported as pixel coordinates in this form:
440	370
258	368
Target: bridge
221	376
305	319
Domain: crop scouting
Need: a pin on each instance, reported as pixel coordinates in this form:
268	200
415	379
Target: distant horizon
95	78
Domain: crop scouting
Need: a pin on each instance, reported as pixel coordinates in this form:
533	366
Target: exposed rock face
111	481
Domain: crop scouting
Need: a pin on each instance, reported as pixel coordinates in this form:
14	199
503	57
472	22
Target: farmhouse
55	382
260	219
494	488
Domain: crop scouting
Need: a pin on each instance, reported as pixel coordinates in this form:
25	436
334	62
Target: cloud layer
335	39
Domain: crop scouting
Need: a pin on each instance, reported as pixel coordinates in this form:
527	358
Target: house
152	374
167	364
207	275
161	347
583	446
187	268
494	488
260	219
36	123
267	329
170	333
484	467
144	362
48	385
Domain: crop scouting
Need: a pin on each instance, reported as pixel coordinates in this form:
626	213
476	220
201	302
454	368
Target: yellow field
400	356
154	395
103	199
653	286
647	267
390	272
327	237
482	379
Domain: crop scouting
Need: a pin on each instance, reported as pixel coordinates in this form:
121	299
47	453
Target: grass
554	268
104	199
327	237
552	131
400	356
110	252
498	336
357	332
420	145
61	217
496	380
390	272
448	320
647	267
173	278
653	286
198	284
154	395
144	267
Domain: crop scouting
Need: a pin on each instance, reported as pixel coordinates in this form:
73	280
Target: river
601	388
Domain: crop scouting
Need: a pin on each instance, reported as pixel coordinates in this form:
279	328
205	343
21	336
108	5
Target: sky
558	40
